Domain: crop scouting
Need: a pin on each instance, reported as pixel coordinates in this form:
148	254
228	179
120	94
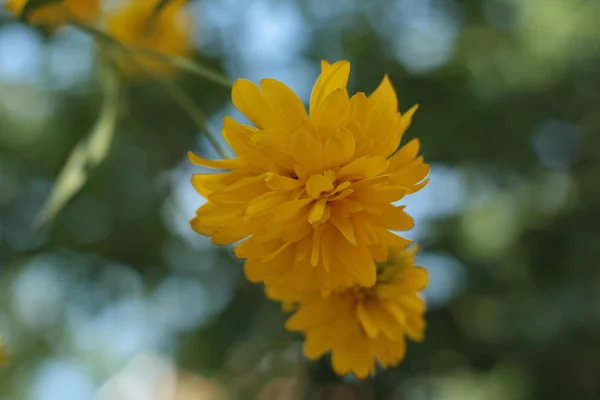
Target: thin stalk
178	94
179	62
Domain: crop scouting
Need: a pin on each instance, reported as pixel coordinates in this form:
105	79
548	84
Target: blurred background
117	298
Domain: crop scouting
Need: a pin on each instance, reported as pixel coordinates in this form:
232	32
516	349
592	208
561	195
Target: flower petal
250	100
344	225
385	95
317	211
361	168
205	184
338	149
285	100
332	77
230	164
317	184
282	183
332	113
307	151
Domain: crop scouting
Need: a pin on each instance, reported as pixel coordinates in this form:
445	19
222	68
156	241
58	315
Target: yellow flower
57	14
312	195
364	326
169	32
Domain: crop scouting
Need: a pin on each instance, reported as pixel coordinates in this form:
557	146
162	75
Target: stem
179	62
182	98
188	105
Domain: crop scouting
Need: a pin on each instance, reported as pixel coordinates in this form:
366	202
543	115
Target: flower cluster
312	198
359	325
57	13
166	30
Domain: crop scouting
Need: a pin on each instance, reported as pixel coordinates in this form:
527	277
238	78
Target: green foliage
89	152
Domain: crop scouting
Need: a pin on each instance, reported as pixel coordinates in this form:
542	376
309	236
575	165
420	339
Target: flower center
323	188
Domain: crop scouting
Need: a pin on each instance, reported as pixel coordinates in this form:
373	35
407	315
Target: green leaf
88	153
32	5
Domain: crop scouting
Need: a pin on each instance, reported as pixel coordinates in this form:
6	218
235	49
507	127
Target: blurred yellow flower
168	32
312	195
364	326
57	14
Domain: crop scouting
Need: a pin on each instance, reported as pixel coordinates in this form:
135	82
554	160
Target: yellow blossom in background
361	327
312	194
57	14
169	32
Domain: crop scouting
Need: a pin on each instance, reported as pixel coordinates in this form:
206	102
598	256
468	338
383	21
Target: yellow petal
317	184
364	228
395	311
271	148
407	118
379	251
316	246
238	137
317	211
385	95
332	77
420	278
415	328
271	256
332	113
224	238
405	155
360	112
364	167
357	263
317	343
391	239
292	209
344	225
241	191
283	98
374	316
412	177
266	203
307	151
205	184
236	130
383	194
199	226
283	183
338	149
396	219
249	99
389	352
313	314
353	357
368	183
253	248
218	214
231	164
366	320
329	237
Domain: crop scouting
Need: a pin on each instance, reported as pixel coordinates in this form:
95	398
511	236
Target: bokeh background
117	299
